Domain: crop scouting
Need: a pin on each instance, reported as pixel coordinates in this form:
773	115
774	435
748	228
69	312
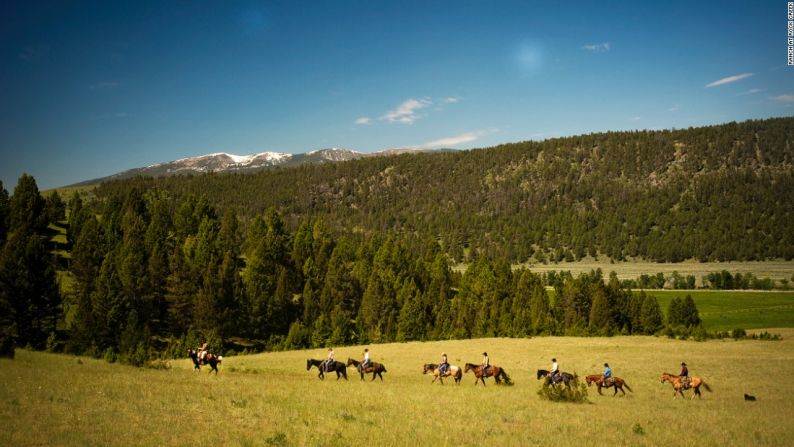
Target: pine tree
675	316
651	316
410	323
600	312
690	316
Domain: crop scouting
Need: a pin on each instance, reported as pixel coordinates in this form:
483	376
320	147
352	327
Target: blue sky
88	89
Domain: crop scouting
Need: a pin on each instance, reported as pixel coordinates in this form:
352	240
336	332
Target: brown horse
453	371
373	367
209	359
617	383
694	383
493	371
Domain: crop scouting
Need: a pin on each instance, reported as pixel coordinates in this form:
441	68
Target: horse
337	367
493	371
453	371
565	377
695	383
373	367
617	383
210	359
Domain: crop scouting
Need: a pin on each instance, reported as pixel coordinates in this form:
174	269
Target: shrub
109	356
738	333
577	393
6	347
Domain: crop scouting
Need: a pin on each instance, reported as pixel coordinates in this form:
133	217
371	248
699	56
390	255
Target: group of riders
443	368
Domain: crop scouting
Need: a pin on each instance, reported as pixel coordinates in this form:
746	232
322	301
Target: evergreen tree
4	214
651	317
26	207
690	316
600	312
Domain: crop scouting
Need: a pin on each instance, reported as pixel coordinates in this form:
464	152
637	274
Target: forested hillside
712	193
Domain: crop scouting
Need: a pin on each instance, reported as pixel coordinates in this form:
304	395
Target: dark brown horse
453	371
210	359
616	382
564	377
377	369
678	388
493	371
337	367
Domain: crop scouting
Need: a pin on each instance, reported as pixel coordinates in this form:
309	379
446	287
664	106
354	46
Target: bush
158	364
738	333
577	393
110	355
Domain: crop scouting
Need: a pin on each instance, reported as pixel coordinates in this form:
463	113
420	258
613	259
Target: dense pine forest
714	194
361	252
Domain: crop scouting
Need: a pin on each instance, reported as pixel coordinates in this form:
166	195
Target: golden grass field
270	399
776	270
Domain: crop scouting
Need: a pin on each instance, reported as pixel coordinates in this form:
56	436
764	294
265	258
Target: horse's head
666	377
426	368
469	366
589	380
350	361
308	364
542	373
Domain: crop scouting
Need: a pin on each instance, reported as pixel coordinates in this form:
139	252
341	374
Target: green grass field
271	399
727	310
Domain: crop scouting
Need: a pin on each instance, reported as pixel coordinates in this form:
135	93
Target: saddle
685	382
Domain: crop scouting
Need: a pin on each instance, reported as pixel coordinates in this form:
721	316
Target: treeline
149	273
716	193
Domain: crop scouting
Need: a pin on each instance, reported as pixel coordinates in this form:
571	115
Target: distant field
775	270
727	310
50	399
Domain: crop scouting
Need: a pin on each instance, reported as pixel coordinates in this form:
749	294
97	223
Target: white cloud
635	118
450	100
675	108
466	137
752	91
787	98
729	79
405	113
364	121
597	47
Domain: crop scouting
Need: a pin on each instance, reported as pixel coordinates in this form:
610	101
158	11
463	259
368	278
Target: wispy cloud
729	79
363	121
635	118
675	108
405	113
450	100
786	99
752	91
466	137
597	47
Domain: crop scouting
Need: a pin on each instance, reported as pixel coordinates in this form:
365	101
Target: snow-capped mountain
225	162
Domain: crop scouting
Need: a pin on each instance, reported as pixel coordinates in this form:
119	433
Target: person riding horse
444	366
485	364
607	378
202	351
365	362
329	361
684	376
555	371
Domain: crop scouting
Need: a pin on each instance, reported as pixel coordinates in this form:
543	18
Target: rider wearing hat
442	368
485	363
555	369
366	359
684	376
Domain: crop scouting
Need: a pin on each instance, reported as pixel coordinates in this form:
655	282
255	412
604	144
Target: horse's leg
599	390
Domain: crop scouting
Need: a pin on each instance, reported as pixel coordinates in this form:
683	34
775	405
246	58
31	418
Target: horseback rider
607	378
366	359
329	360
444	366
683	378
485	364
202	351
555	370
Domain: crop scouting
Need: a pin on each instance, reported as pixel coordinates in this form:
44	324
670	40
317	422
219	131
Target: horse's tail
627	386
383	368
706	386
504	375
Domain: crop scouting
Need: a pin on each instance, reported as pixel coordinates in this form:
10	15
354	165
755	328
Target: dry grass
50	399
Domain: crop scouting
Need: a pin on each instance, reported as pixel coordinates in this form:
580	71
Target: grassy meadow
724	310
270	399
